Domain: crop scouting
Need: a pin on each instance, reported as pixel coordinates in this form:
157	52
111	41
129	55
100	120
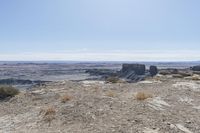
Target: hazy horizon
114	30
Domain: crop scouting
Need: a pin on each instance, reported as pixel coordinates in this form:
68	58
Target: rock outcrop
153	70
129	72
176	73
196	68
133	72
138	69
101	72
168	71
20	82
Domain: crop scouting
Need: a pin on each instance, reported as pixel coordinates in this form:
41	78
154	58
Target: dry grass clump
143	95
50	111
65	98
48	114
110	94
8	91
157	78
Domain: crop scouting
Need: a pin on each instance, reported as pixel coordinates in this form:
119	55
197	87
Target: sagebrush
7	91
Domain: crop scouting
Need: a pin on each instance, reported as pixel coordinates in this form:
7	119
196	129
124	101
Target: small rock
172	126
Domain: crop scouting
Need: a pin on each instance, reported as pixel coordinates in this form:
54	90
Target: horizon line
173	61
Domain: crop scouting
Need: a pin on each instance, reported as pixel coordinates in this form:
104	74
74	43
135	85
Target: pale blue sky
149	30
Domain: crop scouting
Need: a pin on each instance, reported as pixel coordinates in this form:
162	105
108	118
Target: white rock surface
182	128
148	130
187	86
158	104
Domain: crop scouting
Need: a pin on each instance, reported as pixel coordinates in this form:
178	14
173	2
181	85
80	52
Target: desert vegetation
65	98
113	80
143	95
7	91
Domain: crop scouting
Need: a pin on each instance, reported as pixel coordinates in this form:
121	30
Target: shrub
8	91
113	80
143	95
65	98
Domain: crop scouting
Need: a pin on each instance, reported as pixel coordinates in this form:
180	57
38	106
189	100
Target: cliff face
133	72
138	69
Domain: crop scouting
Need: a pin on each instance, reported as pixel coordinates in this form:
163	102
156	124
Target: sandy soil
96	107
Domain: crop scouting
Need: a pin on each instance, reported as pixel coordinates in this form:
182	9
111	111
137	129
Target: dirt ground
170	106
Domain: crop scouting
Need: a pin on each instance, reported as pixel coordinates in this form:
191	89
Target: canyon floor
98	107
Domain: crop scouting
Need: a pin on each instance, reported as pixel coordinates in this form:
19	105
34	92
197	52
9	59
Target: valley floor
98	107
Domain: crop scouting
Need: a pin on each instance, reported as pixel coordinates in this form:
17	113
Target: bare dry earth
96	107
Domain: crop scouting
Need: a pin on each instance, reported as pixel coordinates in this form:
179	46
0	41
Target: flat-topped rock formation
133	72
138	69
129	72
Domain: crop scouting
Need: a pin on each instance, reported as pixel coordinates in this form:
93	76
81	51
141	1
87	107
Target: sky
100	30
